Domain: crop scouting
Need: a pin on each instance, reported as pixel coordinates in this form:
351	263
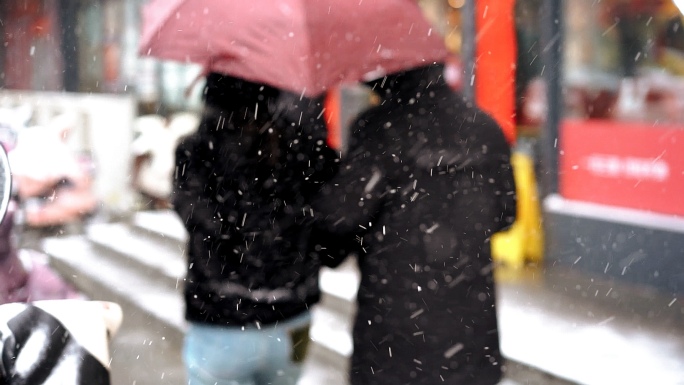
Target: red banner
633	165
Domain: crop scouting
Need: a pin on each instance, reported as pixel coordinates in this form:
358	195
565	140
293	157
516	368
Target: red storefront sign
633	165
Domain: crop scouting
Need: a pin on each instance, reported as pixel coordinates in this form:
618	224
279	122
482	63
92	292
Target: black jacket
426	182
243	185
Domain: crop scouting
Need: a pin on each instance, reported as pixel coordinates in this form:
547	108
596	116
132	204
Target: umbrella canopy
305	46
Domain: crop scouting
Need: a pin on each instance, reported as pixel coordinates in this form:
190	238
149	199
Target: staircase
139	263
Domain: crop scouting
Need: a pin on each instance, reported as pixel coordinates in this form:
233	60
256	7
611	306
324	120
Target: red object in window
632	165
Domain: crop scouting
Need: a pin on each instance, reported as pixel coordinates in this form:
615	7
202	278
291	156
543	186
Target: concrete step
141	269
162	261
110	263
164	224
153	316
317	371
146	349
339	287
102	278
331	334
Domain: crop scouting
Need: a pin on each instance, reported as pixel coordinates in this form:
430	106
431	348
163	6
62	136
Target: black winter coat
243	185
426	183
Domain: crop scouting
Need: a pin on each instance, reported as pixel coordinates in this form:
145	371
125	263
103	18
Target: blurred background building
81	57
592	91
87	46
589	93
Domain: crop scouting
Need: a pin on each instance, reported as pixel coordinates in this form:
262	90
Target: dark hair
394	82
232	94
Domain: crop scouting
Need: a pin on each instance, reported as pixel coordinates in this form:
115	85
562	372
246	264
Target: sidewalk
591	331
562	327
557	326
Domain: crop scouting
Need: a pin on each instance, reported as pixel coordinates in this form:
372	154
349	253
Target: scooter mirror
5	183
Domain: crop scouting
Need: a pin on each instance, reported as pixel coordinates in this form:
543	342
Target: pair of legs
272	354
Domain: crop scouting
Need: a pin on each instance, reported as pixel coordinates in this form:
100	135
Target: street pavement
591	330
558	326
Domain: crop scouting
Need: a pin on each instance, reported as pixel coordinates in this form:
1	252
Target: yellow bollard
524	240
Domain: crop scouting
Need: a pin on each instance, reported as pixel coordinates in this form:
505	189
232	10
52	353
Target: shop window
623	91
624	61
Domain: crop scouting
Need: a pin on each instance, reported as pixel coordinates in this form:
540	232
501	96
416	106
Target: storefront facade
31	40
598	84
599	89
87	46
614	208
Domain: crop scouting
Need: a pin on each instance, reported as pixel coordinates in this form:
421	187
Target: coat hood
400	87
435	125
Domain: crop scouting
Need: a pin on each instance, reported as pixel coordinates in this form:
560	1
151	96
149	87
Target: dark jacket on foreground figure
242	186
426	182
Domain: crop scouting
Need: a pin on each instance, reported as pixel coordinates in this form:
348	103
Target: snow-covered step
339	287
164	224
103	279
317	372
160	261
331	337
160	310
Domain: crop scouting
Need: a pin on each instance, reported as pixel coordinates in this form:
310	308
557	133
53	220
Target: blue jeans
272	354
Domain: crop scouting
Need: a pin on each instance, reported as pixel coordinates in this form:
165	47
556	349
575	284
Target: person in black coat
426	182
243	185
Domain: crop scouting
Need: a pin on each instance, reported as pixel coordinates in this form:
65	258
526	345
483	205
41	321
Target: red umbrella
305	46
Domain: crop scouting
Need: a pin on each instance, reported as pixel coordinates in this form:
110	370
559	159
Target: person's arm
507	198
497	161
349	202
490	153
